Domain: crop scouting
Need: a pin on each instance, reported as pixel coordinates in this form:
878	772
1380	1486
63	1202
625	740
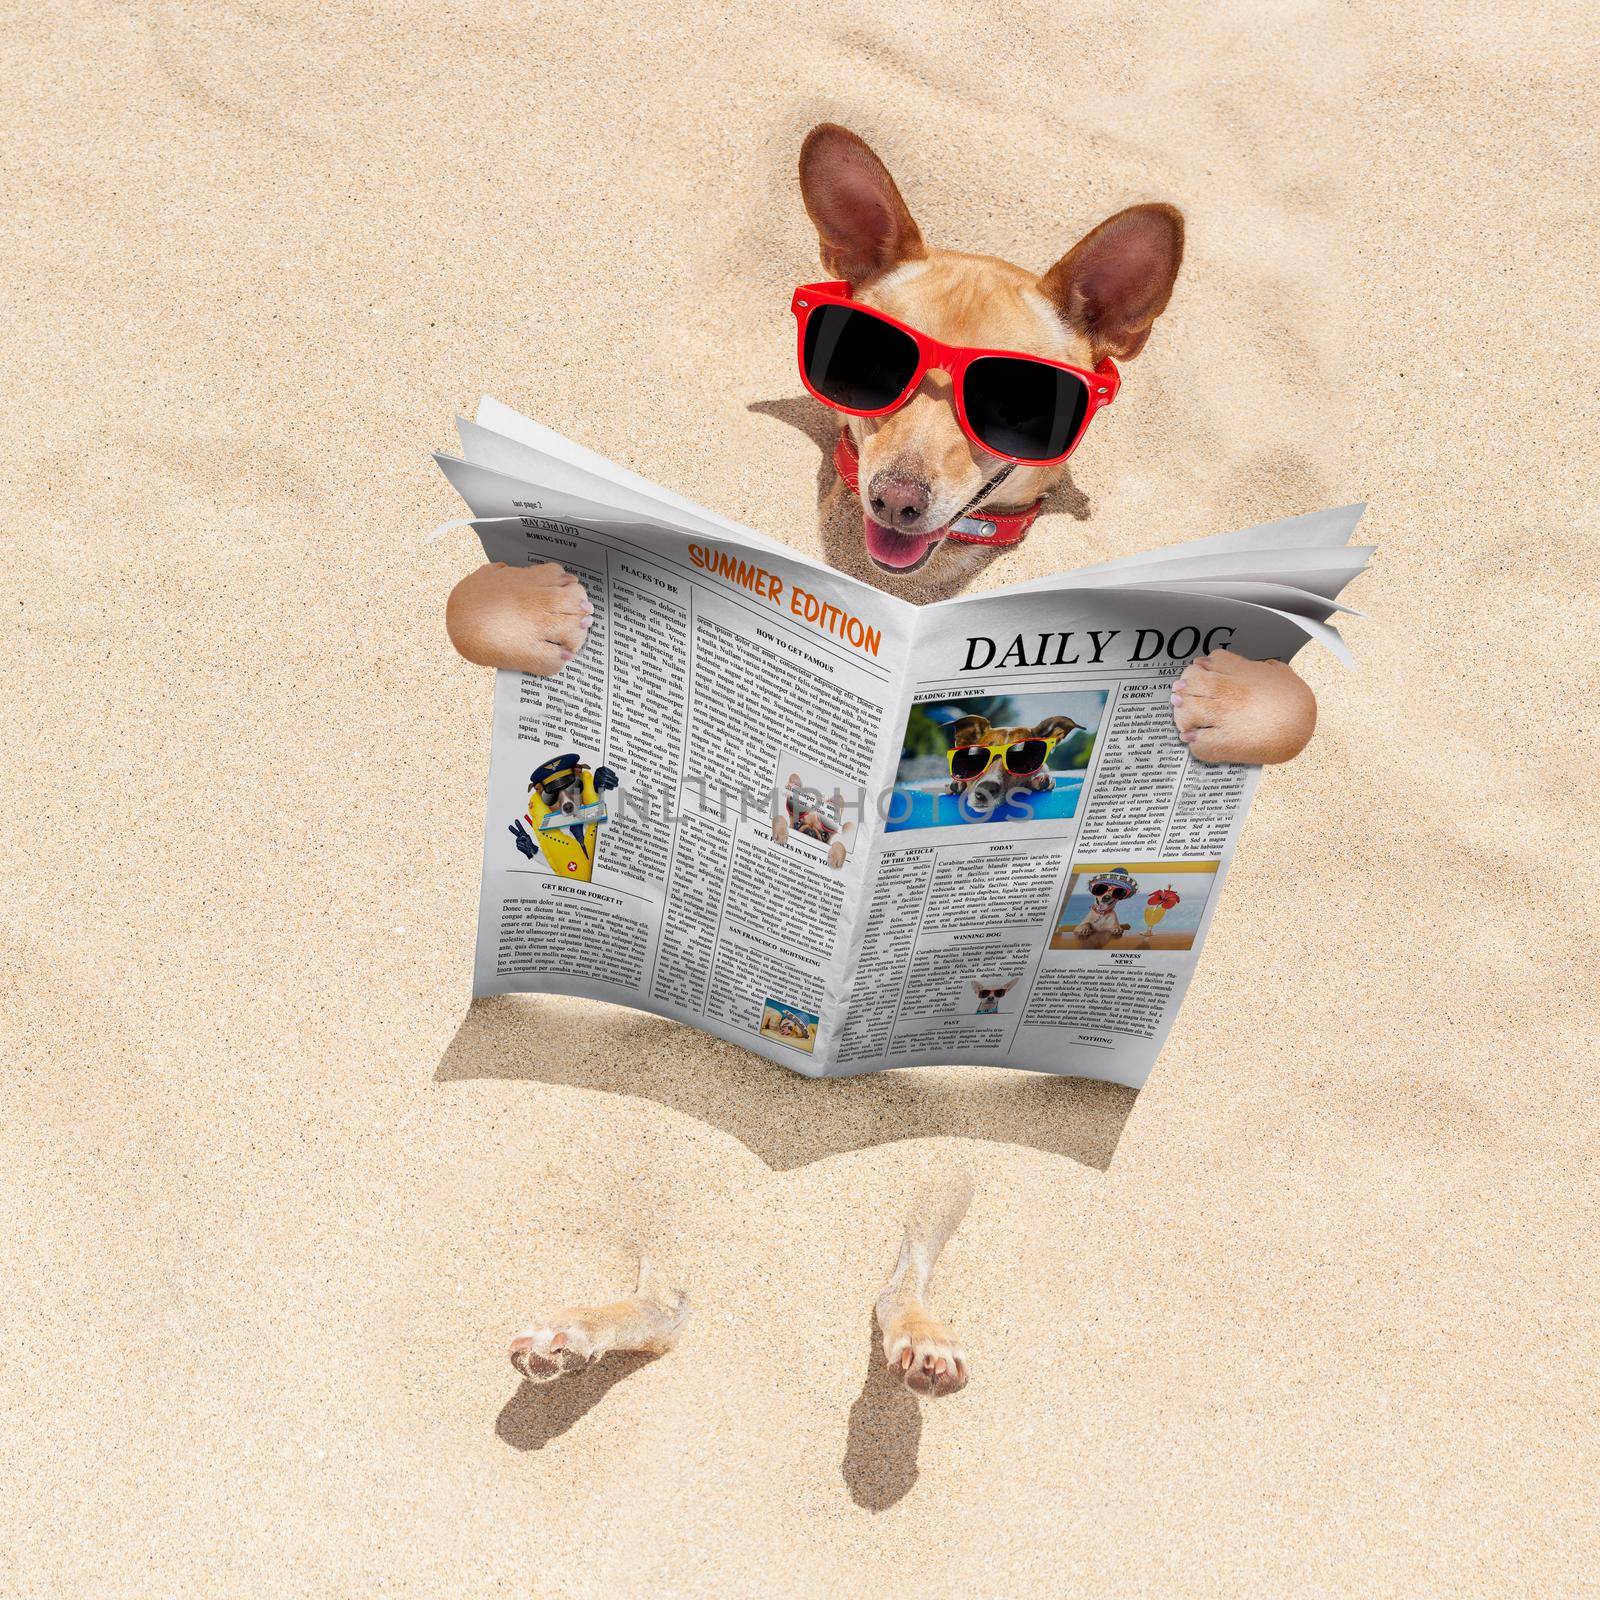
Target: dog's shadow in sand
540	1412
787	1120
880	1450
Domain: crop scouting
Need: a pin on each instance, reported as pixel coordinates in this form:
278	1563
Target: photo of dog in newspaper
790	1025
566	805
995	758
1141	905
990	995
810	805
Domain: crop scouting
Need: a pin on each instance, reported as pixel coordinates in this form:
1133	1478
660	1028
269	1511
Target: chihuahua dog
990	995
918	474
1102	926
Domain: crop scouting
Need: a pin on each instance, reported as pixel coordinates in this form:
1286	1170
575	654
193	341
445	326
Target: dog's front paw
1230	709
836	853
525	619
923	1354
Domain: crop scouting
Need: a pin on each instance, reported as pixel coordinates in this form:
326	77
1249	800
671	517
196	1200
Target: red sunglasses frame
1101	384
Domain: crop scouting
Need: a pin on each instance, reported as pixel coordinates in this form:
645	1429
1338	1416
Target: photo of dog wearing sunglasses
991	759
1103	925
791	1025
990	995
1164	902
566	805
963	384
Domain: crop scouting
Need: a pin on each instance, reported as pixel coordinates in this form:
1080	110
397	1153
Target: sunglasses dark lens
856	360
1027	755
969	761
1024	408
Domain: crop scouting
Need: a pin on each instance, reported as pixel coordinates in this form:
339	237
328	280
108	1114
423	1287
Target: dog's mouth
899	552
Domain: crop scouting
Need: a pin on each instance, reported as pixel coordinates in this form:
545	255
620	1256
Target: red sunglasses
1022	408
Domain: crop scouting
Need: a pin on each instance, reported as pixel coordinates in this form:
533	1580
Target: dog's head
991	994
979	730
564	793
1112	889
918	470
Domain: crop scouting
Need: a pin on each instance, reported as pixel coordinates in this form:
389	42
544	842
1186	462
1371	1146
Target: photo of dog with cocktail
1133	905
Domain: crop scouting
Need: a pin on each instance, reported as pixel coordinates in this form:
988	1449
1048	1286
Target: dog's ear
861	220
969	730
1055	727
1116	280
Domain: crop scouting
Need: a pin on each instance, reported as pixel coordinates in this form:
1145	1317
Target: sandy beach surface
1314	1313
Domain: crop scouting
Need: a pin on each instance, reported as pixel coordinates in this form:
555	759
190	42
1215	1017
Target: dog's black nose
897	502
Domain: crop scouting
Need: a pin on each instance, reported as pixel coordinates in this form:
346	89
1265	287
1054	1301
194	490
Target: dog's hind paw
923	1355
1228	708
569	1339
548	1349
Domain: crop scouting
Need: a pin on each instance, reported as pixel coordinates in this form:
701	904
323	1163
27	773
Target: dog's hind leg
920	1349
573	1336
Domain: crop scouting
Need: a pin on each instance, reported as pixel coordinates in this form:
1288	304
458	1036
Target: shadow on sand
540	1412
785	1119
880	1451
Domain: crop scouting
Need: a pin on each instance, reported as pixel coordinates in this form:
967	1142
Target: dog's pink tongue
895	549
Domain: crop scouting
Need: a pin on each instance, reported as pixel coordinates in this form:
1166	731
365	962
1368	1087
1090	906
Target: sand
1314	1313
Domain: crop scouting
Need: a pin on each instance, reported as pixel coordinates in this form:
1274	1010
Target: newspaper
848	832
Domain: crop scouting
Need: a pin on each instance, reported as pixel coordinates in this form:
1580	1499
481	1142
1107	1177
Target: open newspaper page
849	833
1052	855
667	825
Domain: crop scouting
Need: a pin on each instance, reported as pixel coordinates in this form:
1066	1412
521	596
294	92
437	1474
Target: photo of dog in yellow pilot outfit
565	811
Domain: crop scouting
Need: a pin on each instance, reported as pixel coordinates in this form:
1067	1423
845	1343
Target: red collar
976	527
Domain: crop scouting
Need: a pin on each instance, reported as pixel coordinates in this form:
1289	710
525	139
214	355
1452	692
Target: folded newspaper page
845	831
